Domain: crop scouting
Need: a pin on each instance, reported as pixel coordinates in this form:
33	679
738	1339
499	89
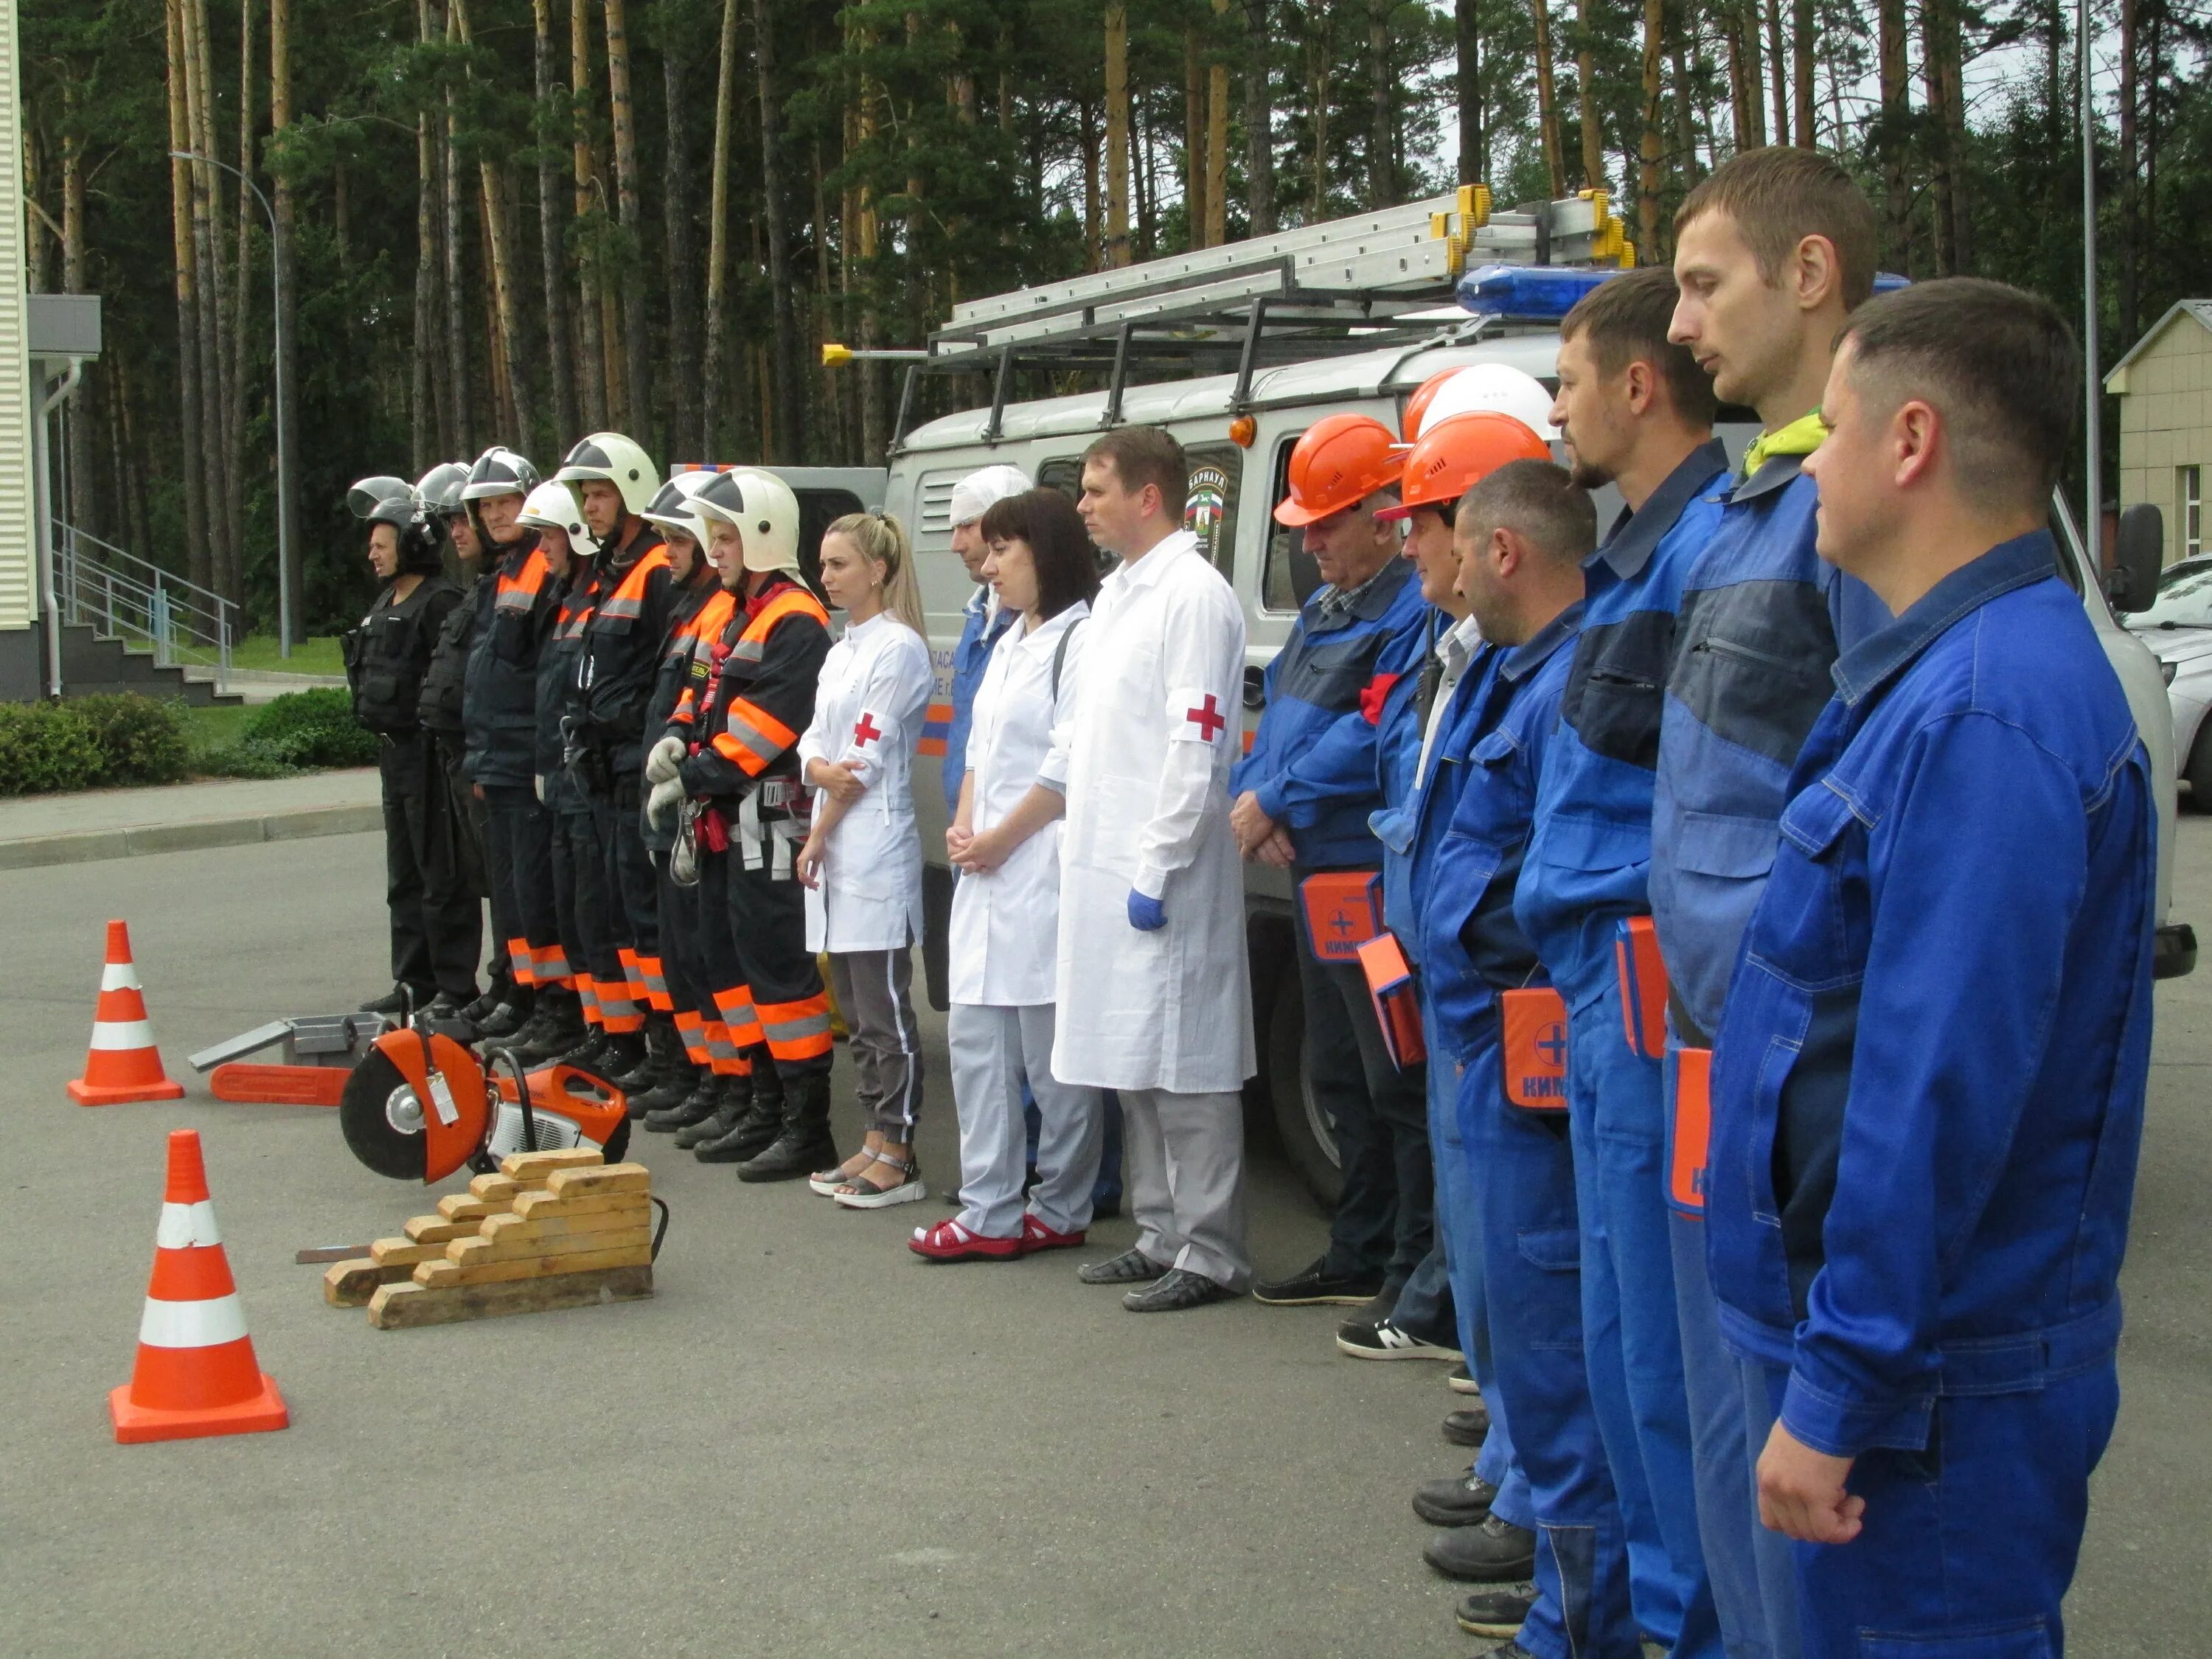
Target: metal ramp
1345	285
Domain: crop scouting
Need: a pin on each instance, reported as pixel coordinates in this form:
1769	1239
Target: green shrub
141	739
309	729
45	747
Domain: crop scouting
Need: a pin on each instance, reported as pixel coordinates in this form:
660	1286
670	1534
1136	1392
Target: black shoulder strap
1059	653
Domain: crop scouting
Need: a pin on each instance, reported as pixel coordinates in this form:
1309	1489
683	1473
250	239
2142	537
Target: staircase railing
123	597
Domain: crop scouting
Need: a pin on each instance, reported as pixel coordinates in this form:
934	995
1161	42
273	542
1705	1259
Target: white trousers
1183	1159
994	1050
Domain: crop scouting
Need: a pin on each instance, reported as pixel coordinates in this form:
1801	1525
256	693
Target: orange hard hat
1416	406
1455	455
1338	462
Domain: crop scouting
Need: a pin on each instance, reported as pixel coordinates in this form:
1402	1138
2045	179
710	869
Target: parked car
2176	626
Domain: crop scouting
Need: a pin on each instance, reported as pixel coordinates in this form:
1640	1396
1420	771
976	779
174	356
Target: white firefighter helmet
1495	387
500	471
440	489
610	456
553	506
673	508
385	500
763	509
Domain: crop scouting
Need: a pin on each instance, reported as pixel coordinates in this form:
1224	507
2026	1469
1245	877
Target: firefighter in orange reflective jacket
742	765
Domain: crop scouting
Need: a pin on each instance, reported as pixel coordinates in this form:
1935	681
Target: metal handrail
122	596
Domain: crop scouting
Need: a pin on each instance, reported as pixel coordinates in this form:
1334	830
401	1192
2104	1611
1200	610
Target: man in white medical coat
1154	992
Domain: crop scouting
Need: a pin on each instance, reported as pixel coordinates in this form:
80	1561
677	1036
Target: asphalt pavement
809	1442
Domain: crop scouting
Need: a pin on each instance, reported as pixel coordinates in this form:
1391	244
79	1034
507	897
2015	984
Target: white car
2176	626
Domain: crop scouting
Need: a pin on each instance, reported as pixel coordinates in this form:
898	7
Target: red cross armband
1196	715
1689	1128
1643	987
1397	1003
1533	1041
1343	910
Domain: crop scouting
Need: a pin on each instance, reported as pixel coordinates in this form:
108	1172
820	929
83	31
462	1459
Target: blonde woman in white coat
1005	840
862	860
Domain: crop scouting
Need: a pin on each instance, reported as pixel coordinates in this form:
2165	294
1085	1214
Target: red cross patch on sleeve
1207	719
865	730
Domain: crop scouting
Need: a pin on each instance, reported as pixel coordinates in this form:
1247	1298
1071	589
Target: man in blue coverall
1302	797
1773	251
1635	412
1931	1069
1522	535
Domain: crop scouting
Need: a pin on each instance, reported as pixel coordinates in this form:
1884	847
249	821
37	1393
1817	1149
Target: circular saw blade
383	1119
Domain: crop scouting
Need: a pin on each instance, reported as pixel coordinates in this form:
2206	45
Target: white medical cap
979	492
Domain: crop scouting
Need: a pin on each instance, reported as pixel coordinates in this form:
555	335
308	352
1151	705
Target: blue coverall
1762	618
1587	862
1524	1163
1929	1089
1412	831
1313	770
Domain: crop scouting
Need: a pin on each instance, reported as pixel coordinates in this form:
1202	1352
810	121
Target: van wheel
2197	774
1305	1129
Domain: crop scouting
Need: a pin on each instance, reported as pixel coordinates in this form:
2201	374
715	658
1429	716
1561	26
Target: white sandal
858	1195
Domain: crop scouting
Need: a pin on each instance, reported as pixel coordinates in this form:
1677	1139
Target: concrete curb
92	846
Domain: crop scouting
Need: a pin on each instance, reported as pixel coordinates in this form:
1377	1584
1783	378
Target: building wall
2166	421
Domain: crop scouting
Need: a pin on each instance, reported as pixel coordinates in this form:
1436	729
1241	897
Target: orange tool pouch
1689	1126
1643	987
1344	910
1533	1023
1397	1003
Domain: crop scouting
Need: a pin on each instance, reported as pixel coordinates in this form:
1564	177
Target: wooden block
402	1252
495	1186
397	1307
532	1206
439	1273
436	1229
350	1284
522	1165
608	1178
559	1225
466	1206
516	1245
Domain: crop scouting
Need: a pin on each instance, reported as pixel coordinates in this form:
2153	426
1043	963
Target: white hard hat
553	506
673	508
618	460
765	512
1496	388
979	492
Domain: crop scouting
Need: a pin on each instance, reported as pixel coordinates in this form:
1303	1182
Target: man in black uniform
498	713
437	931
615	481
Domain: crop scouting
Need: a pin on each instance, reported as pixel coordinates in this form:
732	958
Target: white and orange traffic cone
196	1373
123	1064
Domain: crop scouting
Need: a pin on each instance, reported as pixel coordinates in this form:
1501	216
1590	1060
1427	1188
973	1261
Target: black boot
697	1106
501	989
729	1106
583	1052
555	1026
505	1018
761	1125
660	1035
803	1145
739	1115
669	1085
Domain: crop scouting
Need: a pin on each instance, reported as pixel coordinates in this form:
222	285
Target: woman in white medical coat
1004	840
862	860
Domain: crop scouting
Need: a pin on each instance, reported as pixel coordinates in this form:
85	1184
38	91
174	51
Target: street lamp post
283	385
2093	531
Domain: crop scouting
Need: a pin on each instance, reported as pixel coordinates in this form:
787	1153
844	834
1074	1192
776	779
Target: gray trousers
885	1044
995	1051
1183	1159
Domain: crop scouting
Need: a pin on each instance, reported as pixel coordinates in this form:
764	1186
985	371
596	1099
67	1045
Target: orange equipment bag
1397	1006
1344	910
1689	1127
1643	986
1534	1025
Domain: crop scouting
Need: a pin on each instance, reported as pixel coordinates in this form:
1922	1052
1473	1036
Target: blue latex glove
1146	914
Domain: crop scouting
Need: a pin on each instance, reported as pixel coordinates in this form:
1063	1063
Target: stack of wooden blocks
551	1230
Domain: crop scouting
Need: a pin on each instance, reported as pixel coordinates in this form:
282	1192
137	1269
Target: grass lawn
208	729
258	651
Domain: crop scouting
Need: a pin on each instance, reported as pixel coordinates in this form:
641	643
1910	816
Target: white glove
662	801
662	760
538	782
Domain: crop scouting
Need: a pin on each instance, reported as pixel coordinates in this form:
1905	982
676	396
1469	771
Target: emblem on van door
1205	507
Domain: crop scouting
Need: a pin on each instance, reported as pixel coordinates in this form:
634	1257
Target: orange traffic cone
124	1064
197	1374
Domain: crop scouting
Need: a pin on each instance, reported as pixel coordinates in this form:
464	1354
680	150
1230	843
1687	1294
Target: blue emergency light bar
1544	294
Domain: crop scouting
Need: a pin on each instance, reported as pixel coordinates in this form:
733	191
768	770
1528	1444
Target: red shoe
1035	1236
948	1240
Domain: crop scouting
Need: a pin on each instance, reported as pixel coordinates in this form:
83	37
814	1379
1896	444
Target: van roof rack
1344	285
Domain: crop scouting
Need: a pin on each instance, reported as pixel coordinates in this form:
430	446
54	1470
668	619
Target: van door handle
1256	687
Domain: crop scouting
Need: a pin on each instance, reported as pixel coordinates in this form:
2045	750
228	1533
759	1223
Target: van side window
817	510
1063	473
1290	575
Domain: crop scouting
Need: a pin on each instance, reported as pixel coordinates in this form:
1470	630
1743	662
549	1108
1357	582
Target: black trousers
1386	1217
437	928
776	998
518	860
589	924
